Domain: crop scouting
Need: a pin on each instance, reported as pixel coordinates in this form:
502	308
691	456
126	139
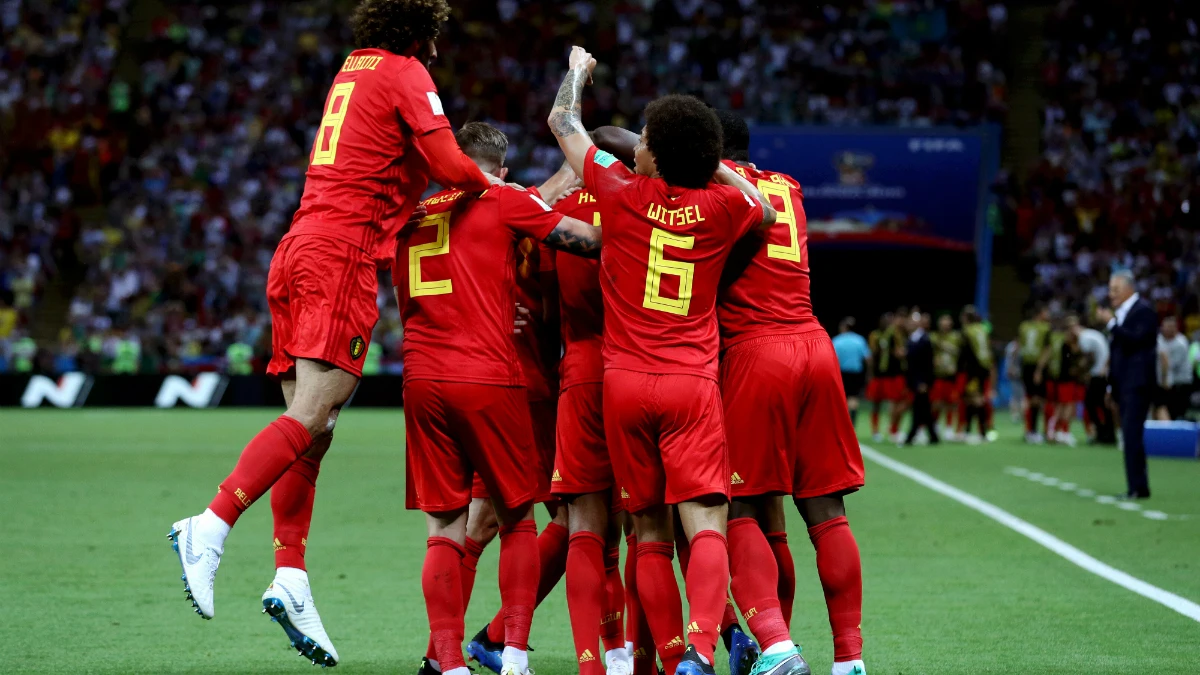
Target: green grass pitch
88	582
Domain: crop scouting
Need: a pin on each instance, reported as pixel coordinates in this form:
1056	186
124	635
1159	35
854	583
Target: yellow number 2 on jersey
439	246
325	149
659	266
785	215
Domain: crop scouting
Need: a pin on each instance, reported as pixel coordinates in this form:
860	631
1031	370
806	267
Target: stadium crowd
163	162
1120	134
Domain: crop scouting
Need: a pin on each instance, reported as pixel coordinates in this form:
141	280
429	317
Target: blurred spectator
163	161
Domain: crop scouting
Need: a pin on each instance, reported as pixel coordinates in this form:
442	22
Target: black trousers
922	416
1099	414
1134	403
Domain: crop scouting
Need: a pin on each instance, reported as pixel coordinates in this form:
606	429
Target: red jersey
364	177
454	272
582	305
534	259
765	290
664	249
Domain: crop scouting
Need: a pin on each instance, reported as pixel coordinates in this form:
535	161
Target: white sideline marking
1107	500
1165	598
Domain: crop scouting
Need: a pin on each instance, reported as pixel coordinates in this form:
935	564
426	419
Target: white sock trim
293	574
210	525
437	666
618	654
516	657
781	647
461	670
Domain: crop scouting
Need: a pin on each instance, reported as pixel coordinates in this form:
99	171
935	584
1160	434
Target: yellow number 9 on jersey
786	215
659	240
325	149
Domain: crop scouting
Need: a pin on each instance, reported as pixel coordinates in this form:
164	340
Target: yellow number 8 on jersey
659	240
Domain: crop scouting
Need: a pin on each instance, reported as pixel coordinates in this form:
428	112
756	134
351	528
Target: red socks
518	581
756	581
292	507
707	587
636	627
612	625
264	460
962	416
1049	416
585	596
659	595
552	563
787	573
441	583
840	569
470	562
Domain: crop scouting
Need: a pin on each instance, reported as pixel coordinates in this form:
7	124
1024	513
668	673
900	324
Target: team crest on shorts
357	347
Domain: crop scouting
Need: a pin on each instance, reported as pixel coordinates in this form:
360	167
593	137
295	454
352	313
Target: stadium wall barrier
206	390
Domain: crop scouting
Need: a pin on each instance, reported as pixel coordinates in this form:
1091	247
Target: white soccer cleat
199	559
289	602
514	669
974	439
877	437
1066	438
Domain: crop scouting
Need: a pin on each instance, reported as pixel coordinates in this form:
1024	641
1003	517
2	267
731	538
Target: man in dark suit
1133	330
920	378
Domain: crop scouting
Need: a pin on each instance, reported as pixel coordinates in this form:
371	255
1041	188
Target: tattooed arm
566	117
575	237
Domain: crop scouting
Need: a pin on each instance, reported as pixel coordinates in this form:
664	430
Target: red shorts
665	436
945	390
891	388
454	429
1065	392
542	419
321	293
581	463
786	420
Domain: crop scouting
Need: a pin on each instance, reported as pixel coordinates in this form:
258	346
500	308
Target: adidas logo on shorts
557	477
735	479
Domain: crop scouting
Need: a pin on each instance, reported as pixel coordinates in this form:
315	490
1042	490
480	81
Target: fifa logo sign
203	392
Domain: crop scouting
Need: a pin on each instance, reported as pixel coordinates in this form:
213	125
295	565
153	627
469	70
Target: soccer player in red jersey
583	474
465	405
382	138
787	424
669	228
538	348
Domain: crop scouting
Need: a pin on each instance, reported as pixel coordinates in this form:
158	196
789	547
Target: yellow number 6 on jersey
325	150
659	266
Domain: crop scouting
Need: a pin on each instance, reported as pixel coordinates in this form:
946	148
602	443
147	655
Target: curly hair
394	25
736	135
685	137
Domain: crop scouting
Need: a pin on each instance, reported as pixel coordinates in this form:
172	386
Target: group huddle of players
667	377
1054	373
964	374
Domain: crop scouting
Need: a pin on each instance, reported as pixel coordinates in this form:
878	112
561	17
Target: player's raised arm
728	176
448	166
575	237
562	184
566	117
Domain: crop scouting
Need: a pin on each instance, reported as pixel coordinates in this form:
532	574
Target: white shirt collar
1123	310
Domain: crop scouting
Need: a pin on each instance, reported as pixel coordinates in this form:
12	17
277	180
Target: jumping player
382	109
457	307
669	231
788	428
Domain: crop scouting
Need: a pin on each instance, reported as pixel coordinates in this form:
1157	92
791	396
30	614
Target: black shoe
692	664
427	667
1133	494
